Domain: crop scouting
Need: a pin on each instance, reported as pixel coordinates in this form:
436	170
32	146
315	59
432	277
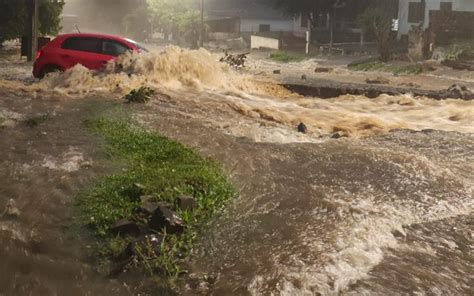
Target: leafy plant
141	95
460	49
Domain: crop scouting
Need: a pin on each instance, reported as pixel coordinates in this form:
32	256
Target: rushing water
386	211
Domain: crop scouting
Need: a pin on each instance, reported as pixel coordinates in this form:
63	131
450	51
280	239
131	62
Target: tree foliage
178	17
377	21
14	18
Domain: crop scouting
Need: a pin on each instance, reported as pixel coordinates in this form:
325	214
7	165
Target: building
244	17
412	12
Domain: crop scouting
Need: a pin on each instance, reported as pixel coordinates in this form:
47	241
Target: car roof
113	37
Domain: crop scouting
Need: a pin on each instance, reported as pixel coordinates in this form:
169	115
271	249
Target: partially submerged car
93	51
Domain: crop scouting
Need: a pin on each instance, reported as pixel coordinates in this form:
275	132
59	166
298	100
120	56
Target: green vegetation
375	65
286	57
13	16
141	95
166	170
460	49
376	20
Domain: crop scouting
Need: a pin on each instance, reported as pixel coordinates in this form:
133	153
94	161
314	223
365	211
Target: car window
87	44
113	48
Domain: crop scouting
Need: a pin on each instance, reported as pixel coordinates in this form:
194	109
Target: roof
244	9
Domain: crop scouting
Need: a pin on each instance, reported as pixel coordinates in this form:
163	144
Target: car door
82	50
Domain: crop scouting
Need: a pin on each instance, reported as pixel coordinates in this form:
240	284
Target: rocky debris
460	91
322	70
148	208
187	203
11	210
377	80
235	61
302	128
338	135
165	218
276	71
125	227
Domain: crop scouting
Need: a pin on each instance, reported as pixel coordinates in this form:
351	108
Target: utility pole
201	33
33	9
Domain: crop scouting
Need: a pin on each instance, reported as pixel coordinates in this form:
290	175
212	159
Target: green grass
286	57
167	170
375	65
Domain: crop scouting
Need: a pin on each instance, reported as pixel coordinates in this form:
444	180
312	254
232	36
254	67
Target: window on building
264	28
415	12
446	6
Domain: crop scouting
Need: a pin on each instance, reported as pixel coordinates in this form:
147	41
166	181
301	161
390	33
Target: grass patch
286	57
166	170
375	65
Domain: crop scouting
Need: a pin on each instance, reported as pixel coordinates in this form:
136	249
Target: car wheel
50	69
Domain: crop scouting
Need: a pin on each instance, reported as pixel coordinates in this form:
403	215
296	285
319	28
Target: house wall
252	25
298	30
405	26
264	42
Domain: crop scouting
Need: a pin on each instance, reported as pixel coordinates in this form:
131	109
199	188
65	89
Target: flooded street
375	199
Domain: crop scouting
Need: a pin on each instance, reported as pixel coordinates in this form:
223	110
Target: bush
286	57
141	95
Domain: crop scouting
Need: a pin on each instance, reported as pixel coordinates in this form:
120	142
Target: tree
14	16
181	18
50	16
137	22
376	20
12	19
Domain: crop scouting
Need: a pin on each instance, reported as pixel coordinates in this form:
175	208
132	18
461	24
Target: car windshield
138	45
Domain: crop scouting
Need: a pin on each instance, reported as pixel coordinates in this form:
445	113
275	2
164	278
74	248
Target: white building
411	12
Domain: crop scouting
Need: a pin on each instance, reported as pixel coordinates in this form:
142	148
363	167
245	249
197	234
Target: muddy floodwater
375	199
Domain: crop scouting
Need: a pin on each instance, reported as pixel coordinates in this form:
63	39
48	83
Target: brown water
381	212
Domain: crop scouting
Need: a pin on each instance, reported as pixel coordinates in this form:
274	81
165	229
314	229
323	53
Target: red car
92	51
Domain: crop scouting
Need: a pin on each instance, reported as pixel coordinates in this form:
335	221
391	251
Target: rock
459	91
304	77
125	227
148	208
302	128
377	80
187	203
338	135
276	71
164	217
322	70
11	210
